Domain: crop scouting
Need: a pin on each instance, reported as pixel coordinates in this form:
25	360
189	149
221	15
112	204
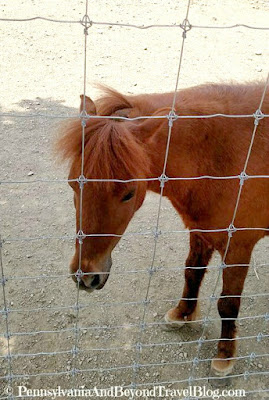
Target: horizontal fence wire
129	367
129	303
76	372
167	178
128	234
204	321
119	118
137	271
143	345
127	25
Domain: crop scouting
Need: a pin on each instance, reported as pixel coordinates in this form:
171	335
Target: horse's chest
193	207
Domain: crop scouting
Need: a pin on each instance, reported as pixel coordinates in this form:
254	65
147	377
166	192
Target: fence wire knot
74	351
76	308
223	265
246	375
146	302
212	298
163	179
9	390
80	236
87	23
172	116
258	115
186	26
142	326
138	346
3	281
243	177
81	181
5	312
157	233
74	371
195	361
200	342
152	271
252	356
259	337
79	274
7	335
190	380
10	377
136	366
231	230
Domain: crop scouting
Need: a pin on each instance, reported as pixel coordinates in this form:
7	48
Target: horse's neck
147	104
160	100
186	158
178	161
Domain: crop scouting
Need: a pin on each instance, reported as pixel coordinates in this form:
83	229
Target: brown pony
206	146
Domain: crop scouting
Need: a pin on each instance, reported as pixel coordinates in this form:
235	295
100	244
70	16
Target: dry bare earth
42	73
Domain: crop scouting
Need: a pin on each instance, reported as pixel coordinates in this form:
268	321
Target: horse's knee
199	254
228	307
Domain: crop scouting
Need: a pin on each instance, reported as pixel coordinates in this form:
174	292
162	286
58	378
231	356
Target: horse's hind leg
228	307
198	258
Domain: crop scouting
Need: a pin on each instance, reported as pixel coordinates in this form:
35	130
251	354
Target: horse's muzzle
93	281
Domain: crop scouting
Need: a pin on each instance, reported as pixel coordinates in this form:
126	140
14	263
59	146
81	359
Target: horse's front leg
228	306
198	258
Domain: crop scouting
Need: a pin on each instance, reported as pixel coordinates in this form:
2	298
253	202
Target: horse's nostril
96	281
88	281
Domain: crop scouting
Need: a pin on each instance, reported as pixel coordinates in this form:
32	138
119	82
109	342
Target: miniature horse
208	146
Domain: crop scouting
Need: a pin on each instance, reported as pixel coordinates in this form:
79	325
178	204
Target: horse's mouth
93	280
95	286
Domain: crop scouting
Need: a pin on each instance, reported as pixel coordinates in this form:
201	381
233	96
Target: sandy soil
42	73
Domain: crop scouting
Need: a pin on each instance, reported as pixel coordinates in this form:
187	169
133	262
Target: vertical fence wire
257	116
162	185
80	234
5	313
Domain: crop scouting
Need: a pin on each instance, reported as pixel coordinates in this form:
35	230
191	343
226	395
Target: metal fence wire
135	363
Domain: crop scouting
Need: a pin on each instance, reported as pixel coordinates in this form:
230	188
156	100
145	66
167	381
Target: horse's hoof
221	367
172	321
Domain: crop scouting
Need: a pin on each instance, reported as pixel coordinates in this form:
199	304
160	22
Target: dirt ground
42	76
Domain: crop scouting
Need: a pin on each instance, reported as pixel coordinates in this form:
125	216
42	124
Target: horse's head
107	208
112	151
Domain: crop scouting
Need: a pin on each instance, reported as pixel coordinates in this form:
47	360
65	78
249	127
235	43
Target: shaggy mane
112	151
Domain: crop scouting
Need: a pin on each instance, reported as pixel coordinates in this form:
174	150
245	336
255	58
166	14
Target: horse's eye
128	196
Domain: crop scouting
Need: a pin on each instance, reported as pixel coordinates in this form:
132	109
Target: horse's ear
89	105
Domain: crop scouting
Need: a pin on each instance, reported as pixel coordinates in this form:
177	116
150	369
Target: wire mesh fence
86	344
